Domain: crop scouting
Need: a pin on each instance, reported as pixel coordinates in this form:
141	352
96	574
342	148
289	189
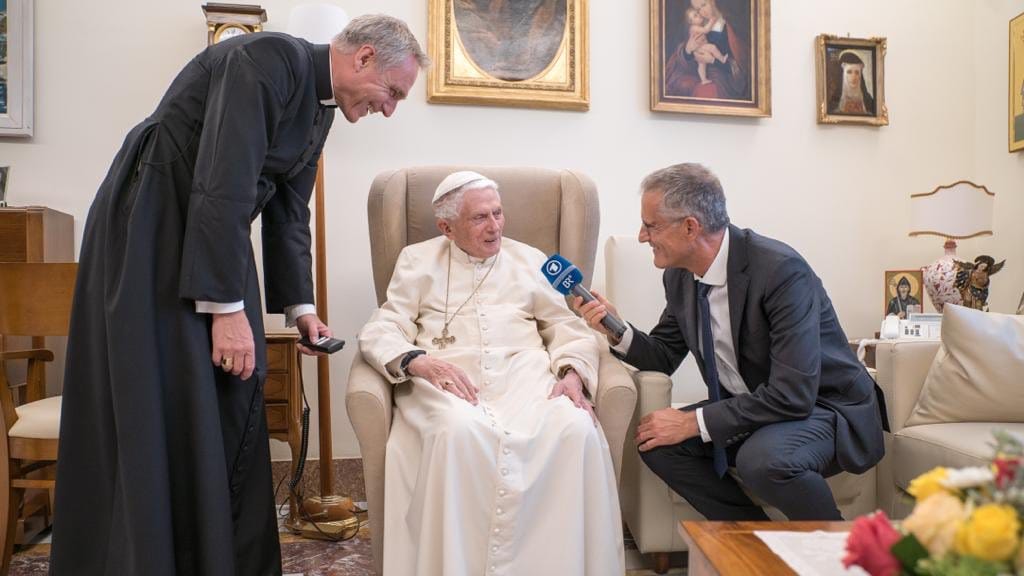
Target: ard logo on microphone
554	267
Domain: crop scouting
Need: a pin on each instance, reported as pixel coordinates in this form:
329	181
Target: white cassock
518	485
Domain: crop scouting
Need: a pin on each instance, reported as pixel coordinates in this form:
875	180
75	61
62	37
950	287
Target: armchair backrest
552	210
36	298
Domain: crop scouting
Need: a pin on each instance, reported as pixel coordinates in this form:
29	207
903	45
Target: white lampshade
316	22
960	210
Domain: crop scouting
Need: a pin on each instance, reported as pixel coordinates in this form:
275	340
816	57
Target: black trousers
783	464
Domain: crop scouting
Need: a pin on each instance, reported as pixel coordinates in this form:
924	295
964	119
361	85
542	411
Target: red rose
870	543
1006	469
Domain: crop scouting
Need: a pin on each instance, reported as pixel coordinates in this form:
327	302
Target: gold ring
446	383
227	363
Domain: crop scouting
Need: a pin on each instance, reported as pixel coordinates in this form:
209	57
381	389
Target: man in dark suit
789	404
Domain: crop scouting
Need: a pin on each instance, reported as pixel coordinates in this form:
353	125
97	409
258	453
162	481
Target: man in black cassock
164	462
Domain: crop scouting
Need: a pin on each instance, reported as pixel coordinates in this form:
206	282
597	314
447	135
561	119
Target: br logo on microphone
561	273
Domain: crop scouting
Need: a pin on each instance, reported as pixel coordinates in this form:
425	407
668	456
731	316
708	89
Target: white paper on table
815	553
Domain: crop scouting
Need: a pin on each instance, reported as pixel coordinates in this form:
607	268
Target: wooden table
728	548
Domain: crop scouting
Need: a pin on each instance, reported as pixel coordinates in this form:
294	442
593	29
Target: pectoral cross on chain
444	340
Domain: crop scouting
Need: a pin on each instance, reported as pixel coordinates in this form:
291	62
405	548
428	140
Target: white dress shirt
721	330
291	313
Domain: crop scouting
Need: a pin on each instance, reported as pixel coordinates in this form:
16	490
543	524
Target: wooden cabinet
36	234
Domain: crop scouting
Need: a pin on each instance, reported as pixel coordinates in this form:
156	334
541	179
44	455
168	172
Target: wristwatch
408	358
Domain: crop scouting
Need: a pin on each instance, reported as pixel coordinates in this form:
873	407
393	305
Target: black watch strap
408	358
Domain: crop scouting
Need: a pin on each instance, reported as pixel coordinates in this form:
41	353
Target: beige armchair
553	210
651	510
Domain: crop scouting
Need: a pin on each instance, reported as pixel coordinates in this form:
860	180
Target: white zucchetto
456	180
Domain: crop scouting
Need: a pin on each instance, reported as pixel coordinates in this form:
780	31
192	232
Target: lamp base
940	282
325	518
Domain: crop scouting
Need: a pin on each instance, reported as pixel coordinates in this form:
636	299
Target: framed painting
15	67
1016	79
904	292
527	53
711	57
851	80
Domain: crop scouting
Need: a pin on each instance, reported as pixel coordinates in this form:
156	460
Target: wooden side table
282	391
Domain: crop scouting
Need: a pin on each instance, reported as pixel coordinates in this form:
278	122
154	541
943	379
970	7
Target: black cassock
164	462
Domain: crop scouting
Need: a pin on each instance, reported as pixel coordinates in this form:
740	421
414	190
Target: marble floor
304	557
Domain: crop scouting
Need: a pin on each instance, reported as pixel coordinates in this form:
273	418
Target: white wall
839	194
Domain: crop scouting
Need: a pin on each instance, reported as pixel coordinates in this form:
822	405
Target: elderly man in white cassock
496	464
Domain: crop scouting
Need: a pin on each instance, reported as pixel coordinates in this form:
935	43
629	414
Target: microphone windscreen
561	273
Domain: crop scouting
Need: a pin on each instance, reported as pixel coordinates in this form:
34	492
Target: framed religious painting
904	292
1016	79
851	80
711	57
15	67
527	53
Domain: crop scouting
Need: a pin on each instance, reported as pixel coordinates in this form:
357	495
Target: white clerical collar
330	68
459	255
719	270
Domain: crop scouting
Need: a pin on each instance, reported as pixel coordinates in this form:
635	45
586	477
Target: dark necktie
707	350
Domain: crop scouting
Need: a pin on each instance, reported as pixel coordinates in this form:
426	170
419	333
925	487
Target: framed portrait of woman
711	57
527	53
1017	83
903	292
851	80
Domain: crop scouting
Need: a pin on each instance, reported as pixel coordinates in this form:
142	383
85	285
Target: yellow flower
990	534
928	483
935	521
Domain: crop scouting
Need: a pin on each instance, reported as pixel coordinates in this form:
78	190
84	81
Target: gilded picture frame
904	289
530	53
711	57
1016	82
851	80
16	73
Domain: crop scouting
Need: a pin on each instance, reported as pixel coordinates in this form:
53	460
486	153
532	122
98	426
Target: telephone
918	326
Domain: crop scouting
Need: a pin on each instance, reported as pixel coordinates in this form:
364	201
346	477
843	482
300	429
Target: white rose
958	478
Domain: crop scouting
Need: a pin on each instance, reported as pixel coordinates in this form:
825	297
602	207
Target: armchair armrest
368	401
35	354
653	391
614	402
902	369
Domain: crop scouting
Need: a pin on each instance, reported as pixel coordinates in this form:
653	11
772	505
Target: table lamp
327	515
957	211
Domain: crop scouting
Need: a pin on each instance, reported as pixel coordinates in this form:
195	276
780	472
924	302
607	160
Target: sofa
902	368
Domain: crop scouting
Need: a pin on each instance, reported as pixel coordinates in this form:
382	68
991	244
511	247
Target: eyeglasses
652	229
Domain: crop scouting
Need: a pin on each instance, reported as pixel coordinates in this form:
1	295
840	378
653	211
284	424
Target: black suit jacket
790	350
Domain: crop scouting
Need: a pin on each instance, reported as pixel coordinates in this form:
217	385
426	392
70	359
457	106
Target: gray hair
389	36
448	206
689	190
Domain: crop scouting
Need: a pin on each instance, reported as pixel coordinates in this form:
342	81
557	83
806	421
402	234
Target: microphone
565	277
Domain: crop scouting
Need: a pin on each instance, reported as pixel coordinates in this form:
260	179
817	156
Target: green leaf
908	551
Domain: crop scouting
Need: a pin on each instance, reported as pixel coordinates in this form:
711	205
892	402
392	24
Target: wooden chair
36	302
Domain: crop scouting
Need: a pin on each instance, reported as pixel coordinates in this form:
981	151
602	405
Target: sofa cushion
974	377
918	449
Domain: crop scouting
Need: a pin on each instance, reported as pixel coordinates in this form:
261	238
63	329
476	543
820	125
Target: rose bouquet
965	521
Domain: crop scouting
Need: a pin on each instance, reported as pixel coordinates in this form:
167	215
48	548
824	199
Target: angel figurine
972	280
